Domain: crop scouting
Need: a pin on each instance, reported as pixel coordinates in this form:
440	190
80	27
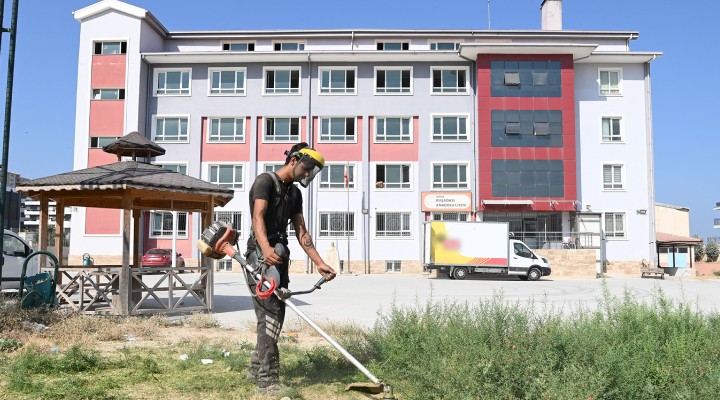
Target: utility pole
488	14
8	109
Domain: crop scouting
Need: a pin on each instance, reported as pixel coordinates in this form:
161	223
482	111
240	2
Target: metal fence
559	240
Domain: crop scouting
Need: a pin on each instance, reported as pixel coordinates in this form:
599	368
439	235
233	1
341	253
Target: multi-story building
547	129
30	221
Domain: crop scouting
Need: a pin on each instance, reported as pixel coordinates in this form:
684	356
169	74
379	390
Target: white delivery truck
458	249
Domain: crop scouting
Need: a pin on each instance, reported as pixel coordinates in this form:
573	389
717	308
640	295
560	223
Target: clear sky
683	81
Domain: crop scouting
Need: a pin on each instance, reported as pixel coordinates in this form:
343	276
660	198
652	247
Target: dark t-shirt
264	188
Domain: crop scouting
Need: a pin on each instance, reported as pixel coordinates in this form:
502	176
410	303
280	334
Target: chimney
551	11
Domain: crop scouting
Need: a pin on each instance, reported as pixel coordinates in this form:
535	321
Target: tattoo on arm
307	242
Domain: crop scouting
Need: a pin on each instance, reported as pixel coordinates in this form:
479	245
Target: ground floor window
224	265
532	228
450	216
161	224
393	266
337	224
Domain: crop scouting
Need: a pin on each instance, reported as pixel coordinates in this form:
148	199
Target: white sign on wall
447	201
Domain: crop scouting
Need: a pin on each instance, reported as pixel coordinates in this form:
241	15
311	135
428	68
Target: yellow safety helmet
311	161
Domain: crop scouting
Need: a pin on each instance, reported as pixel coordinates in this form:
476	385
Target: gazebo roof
136	145
152	187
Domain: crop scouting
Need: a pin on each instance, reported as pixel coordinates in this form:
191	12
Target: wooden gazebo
131	186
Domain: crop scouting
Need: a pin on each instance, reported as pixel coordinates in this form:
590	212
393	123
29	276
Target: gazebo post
207	264
126	284
59	229
43	228
136	237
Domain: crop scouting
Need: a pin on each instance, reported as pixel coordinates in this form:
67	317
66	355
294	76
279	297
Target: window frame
619	71
235	135
623	177
376	69
97	138
437	42
411	134
624	231
153	128
352	175
247	43
123	46
151	225
328	234
236	186
441	68
319	135
120	94
298	43
375	165
451	115
402	236
236	92
457	163
621	125
156	77
164	164
462	216
266	164
237	227
290	139
354	91
404	45
267	69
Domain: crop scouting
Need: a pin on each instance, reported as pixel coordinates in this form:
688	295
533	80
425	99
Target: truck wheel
534	274
460	273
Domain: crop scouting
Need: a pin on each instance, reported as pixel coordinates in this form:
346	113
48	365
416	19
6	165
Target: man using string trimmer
275	201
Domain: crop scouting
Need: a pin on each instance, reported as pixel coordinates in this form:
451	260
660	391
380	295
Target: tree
712	252
699	252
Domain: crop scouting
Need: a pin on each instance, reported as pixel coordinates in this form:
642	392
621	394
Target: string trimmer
218	240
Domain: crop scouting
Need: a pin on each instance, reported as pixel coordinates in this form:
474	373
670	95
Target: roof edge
125	8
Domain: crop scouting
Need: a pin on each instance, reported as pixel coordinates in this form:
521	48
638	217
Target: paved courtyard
359	299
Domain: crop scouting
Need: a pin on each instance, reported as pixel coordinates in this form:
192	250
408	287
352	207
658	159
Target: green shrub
716	273
712	251
699	252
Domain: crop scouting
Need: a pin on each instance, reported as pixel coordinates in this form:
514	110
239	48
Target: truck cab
525	263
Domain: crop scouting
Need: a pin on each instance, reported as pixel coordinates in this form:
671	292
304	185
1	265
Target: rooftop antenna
488	14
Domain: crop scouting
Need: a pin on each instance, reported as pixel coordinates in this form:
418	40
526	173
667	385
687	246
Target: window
337	224
170	129
282	81
541	128
227	81
110	48
232	218
611	129
393	46
289	46
108	94
337	129
392	176
613	177
393	80
338	80
512	128
172	82
229	176
175	167
528	178
444	46
224	265
615	225
449	80
100	142
392	224
450	216
161	224
520	250
13	246
393	266
227	130
610	80
449	128
272	167
450	176
393	129
282	130
512	78
333	176
239	46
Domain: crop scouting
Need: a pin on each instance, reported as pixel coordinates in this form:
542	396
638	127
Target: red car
161	258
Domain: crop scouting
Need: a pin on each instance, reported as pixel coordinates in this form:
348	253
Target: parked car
162	258
16	250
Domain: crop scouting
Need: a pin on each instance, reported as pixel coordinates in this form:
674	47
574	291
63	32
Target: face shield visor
306	169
